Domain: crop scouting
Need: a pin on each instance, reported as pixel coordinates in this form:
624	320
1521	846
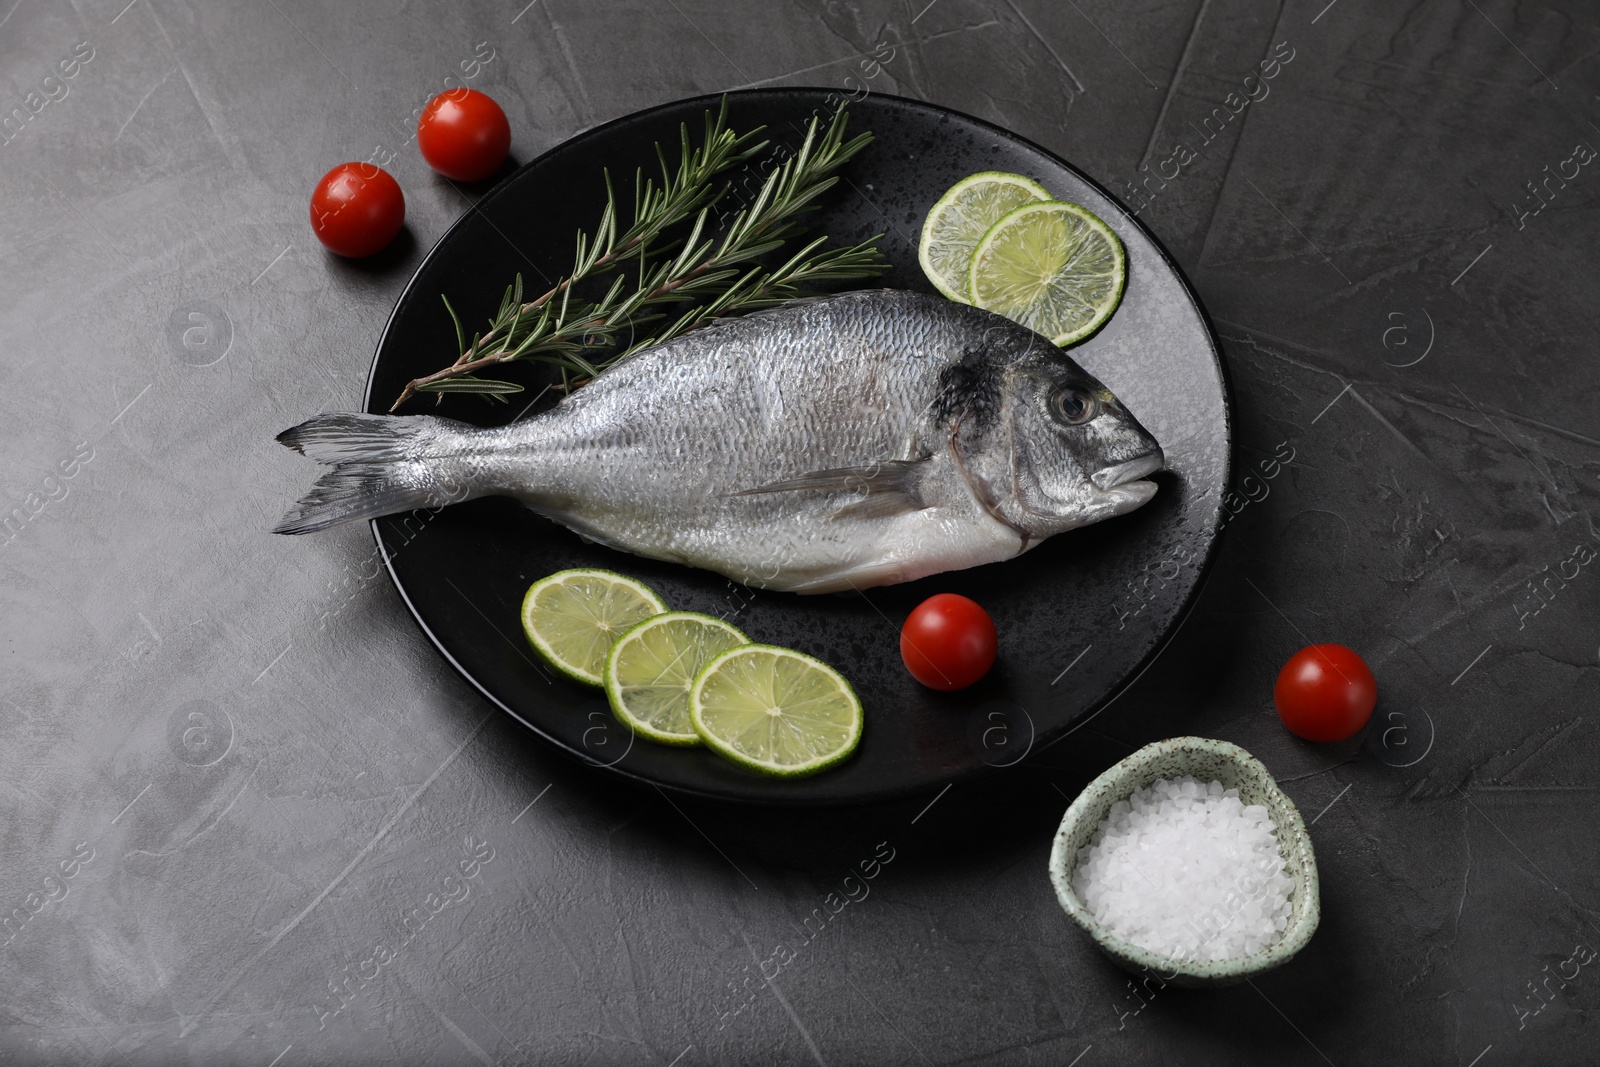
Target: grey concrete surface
251	817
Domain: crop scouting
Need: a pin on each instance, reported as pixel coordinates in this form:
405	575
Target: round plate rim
1163	639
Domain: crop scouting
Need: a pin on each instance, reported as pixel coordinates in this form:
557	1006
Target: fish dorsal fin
886	488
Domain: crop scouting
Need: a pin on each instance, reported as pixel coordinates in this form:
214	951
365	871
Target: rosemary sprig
717	276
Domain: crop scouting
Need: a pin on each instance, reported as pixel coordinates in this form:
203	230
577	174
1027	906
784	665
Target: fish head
1057	449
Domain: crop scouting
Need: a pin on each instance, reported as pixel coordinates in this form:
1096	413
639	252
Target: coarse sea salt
1186	869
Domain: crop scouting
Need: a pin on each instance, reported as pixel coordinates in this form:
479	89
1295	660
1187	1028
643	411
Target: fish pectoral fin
887	488
880	506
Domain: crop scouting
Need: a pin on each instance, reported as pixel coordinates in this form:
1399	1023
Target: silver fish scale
650	456
966	439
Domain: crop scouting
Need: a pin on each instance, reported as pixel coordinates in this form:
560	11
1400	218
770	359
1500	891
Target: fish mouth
1122	474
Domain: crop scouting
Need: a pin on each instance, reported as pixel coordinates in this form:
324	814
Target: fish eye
1074	407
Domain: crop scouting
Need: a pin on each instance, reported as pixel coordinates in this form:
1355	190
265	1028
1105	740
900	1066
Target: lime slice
1053	267
775	710
959	220
650	671
572	617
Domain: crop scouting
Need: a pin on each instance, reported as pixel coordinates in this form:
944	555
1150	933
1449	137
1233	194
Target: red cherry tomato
463	135
1325	693
948	642
356	209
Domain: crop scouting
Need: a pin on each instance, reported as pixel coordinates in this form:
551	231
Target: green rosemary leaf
469	384
461	341
682	264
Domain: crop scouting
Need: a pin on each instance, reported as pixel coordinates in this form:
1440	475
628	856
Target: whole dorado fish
840	442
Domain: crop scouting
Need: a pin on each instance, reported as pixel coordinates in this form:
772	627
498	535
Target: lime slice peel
775	711
960	218
651	669
1052	266
572	617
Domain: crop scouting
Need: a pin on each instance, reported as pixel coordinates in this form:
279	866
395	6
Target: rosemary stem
715	276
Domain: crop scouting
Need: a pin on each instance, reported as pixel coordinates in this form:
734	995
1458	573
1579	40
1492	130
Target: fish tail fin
381	464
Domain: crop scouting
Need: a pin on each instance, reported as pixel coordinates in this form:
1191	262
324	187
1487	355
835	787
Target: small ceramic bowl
1208	761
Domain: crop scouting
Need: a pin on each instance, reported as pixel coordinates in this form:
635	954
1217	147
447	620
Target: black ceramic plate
1079	617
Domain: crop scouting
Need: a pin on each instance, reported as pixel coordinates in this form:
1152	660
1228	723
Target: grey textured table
252	817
